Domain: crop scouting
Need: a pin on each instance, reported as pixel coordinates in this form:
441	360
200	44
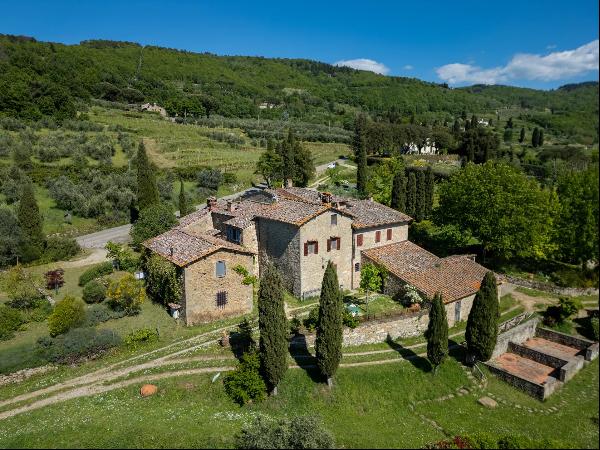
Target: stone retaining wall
548	287
517	334
536	390
589	348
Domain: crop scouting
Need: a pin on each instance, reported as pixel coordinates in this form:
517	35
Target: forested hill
40	78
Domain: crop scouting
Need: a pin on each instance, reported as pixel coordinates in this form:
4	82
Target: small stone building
457	278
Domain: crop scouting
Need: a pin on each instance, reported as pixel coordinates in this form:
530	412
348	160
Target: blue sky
529	43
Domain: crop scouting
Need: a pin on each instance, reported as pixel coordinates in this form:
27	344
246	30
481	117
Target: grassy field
370	407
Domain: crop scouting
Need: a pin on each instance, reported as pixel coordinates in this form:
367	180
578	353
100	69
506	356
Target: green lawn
369	407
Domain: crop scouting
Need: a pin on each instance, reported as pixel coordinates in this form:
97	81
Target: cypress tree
535	137
272	324
399	191
411	194
183	209
474	121
430	190
421	197
541	138
360	149
482	324
30	220
147	190
522	135
456	127
328	345
437	332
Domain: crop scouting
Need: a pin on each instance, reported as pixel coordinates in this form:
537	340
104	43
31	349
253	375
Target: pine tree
31	223
482	324
147	190
541	138
535	137
399	191
411	194
430	190
522	135
328	345
437	332
183	208
272	324
360	150
421	197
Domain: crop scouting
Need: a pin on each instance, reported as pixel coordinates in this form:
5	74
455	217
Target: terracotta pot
148	389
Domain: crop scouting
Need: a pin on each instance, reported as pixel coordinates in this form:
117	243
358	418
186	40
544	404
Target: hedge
99	270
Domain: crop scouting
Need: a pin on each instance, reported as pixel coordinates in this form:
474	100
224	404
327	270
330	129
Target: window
378	236
334	219
311	248
333	243
389	234
220	269
357	267
221	299
359	240
234	234
457	306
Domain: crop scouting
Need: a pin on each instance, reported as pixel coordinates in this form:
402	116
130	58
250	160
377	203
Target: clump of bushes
60	249
310	323
244	384
487	441
10	321
99	313
125	259
141	336
556	315
68	313
97	271
294	432
77	344
94	292
349	320
126	294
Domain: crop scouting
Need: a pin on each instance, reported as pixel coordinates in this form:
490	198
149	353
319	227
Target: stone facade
201	286
399	233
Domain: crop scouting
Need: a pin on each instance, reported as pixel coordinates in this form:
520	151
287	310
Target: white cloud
527	66
364	64
408	67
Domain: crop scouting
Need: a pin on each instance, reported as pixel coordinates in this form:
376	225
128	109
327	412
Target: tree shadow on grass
304	359
457	351
419	362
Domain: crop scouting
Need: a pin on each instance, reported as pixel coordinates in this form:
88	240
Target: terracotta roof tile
455	277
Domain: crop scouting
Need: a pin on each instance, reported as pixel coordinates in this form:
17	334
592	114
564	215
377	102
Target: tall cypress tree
30	220
522	135
411	194
437	332
183	208
328	345
541	138
272	324
359	145
482	324
535	137
399	191
430	190
147	190
421	197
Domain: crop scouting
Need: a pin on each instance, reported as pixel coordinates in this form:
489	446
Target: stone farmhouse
300	230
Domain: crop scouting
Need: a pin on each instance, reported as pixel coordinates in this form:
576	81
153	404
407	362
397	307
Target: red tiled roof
455	277
182	248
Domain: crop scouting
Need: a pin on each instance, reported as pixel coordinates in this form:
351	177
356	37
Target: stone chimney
289	183
326	197
340	205
211	203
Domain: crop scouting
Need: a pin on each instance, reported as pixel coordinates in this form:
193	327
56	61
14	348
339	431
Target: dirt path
529	302
97	255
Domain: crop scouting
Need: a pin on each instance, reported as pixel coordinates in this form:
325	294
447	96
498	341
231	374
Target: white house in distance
429	148
153	107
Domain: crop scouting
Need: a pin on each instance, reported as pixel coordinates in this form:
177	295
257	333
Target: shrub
68	313
141	336
558	314
99	313
77	344
294	432
244	384
97	271
54	279
60	249
594	325
10	321
94	292
22	289
126	294
310	323
163	283
487	441
126	259
349	320
153	220
40	313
